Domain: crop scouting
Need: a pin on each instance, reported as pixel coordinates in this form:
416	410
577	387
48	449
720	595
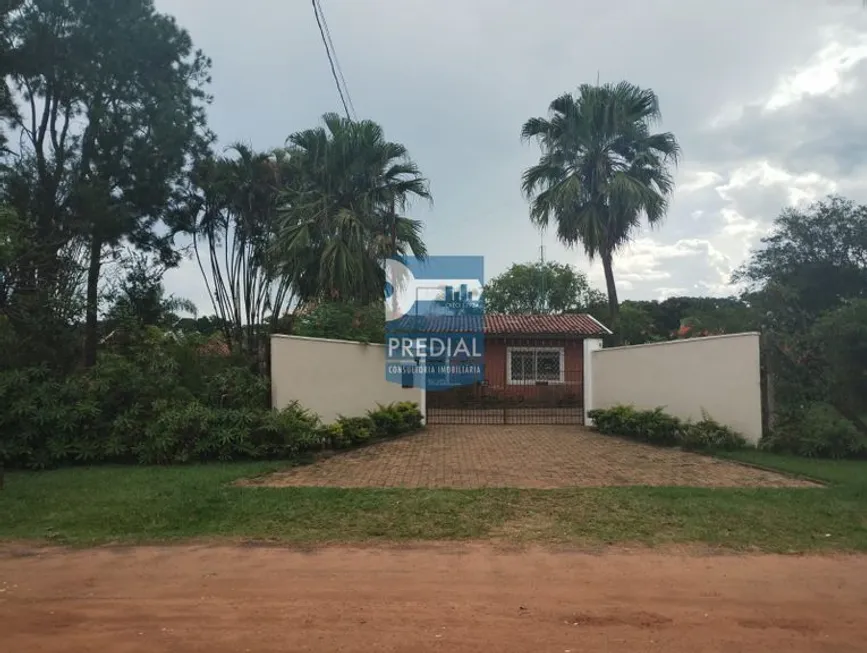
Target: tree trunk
91	334
613	304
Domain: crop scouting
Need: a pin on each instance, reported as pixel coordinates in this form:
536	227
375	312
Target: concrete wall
720	374
333	377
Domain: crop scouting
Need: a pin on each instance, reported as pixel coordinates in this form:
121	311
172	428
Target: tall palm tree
601	170
236	220
341	214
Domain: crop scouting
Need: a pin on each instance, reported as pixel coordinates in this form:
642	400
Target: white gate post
590	345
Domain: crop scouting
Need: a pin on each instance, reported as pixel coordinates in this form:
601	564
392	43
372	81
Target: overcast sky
768	99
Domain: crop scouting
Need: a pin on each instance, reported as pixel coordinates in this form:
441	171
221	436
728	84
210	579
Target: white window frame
511	381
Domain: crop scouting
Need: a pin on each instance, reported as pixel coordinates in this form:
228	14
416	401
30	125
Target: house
533	364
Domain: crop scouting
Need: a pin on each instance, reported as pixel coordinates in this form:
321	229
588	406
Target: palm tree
601	170
236	211
341	214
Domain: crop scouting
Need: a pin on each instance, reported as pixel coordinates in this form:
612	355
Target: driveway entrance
521	457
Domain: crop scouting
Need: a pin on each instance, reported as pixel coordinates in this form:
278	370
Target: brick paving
553	456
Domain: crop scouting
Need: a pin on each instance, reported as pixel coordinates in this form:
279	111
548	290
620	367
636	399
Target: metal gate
499	400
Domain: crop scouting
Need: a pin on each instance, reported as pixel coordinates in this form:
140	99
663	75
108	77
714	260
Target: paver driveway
521	457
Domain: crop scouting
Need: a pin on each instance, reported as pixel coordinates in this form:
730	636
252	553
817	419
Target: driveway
553	456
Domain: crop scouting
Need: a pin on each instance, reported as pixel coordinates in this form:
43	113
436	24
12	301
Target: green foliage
384	422
234	218
684	317
840	340
636	325
167	402
335	437
342	321
658	428
601	170
707	434
162	402
808	282
541	288
357	429
113	99
342	211
817	431
140	299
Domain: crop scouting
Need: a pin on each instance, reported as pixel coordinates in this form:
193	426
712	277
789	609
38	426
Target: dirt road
443	598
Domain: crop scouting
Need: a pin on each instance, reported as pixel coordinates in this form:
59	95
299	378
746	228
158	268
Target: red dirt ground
437	598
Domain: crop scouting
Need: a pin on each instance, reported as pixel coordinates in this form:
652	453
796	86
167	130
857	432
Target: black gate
501	400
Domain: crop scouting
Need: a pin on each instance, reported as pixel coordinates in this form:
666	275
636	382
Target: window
530	365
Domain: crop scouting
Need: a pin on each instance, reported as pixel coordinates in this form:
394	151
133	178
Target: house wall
497	371
718	374
333	377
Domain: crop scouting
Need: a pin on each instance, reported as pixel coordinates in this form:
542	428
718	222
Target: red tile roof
578	324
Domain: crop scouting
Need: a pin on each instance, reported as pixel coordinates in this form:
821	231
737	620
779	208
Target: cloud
767	99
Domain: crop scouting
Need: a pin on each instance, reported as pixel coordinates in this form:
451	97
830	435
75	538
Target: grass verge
88	506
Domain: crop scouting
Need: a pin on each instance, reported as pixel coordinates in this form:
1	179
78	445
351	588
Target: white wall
333	377
718	374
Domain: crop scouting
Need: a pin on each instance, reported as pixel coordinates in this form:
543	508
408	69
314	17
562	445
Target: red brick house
533	368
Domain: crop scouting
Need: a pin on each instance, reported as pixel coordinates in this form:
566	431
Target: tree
341	212
841	337
540	288
342	321
601	170
236	206
636	325
807	281
114	99
815	258
141	296
8	110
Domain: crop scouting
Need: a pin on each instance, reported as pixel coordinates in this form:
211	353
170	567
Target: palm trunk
92	303
613	304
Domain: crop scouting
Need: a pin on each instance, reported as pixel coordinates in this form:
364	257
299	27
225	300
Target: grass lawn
85	506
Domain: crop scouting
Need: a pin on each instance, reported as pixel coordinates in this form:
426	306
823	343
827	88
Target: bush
659	428
166	402
410	415
708	434
334	437
816	431
652	426
357	430
286	433
384	422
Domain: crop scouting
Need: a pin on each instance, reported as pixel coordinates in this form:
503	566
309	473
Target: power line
337	61
320	18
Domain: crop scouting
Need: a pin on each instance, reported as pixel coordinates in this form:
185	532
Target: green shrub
285	433
238	387
387	421
817	431
659	428
410	415
357	430
708	434
165	402
384	422
395	419
652	426
334	437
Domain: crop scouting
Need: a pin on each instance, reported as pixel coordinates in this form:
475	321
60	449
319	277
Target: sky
768	99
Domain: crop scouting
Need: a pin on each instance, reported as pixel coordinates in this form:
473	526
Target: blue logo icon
434	327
